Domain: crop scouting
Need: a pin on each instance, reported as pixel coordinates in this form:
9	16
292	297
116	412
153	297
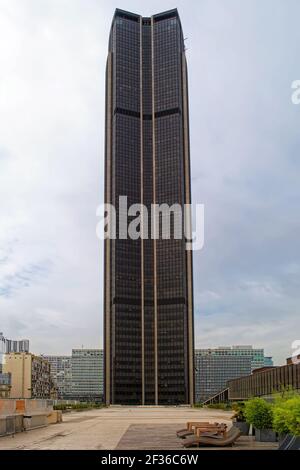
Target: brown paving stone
163	437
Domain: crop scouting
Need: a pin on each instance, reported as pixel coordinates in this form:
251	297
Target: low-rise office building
257	356
80	376
87	374
213	372
268	362
61	375
215	366
30	375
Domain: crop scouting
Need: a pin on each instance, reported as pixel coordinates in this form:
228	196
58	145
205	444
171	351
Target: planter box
265	435
34	421
289	442
281	438
243	427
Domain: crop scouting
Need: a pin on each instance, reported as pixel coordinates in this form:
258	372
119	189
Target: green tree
259	413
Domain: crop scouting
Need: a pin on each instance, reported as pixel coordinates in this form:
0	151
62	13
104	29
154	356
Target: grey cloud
245	135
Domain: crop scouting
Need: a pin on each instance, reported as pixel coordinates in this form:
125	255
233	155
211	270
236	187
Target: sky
245	140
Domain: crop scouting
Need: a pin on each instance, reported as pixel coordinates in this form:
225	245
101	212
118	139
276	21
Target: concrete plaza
121	428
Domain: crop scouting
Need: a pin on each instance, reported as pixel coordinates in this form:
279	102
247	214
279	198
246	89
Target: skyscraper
148	285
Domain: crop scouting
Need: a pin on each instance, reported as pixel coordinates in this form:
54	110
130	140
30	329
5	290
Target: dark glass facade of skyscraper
148	285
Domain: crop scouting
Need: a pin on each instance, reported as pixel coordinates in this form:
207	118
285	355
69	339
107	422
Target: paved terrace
121	428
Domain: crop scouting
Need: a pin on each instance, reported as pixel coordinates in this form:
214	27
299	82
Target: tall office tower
148	300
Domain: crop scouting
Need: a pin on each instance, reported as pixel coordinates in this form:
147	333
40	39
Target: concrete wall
7	407
11	424
19	366
20	415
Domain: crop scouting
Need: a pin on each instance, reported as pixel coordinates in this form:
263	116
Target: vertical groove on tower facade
188	252
142	214
107	283
154	218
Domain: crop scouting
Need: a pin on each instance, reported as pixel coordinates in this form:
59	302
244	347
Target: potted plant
286	418
239	419
259	413
280	422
